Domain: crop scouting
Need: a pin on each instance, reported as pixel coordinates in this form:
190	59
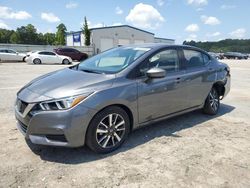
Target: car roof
44	51
162	45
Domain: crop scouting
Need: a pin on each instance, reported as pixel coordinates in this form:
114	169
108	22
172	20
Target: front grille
21	106
23	126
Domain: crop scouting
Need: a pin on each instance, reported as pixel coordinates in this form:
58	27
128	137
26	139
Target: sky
199	20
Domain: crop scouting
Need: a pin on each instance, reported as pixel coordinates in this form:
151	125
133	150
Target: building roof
110	27
164	38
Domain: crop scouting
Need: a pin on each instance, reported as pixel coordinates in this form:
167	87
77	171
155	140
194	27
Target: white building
104	38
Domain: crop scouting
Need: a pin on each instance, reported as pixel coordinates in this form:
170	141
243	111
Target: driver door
161	96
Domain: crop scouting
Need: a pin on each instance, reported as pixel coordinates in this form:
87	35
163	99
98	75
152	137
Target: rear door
12	56
53	58
199	76
162	96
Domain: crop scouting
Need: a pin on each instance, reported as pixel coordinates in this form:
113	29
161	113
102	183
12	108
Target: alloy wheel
110	130
214	100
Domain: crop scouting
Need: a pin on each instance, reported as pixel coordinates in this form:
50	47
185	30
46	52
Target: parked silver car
101	100
11	55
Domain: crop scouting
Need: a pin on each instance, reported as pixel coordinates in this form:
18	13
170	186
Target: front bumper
56	128
227	85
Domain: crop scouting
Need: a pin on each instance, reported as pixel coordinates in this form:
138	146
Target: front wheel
212	103
108	130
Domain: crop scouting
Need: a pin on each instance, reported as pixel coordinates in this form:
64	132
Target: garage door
106	44
123	42
139	41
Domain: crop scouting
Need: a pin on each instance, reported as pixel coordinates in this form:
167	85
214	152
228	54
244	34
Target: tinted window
66	50
193	58
71	50
47	53
42	53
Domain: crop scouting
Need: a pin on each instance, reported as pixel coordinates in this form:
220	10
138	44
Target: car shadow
168	128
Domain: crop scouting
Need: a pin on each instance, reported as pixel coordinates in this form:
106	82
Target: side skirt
169	116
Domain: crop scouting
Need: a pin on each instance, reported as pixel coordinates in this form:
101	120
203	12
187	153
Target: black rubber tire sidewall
91	132
207	109
37	59
67	62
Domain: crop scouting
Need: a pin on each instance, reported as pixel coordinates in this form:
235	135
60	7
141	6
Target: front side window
112	61
50	53
42	53
193	58
167	60
11	52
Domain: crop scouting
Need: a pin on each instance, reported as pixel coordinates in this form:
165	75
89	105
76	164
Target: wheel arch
124	107
220	88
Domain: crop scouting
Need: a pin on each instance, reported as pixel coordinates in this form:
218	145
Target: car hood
64	83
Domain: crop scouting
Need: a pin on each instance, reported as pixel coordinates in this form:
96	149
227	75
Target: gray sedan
101	100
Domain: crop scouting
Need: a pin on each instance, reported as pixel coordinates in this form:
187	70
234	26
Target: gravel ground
192	150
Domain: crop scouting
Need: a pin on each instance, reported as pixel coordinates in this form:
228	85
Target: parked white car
11	55
47	57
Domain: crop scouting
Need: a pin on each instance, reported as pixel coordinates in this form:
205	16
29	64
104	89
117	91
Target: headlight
63	104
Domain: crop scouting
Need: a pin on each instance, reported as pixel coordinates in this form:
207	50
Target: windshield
112	61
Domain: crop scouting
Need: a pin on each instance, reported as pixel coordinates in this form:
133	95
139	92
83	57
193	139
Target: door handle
177	80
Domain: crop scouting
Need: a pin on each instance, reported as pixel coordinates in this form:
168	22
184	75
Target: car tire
37	61
24	59
212	103
66	62
108	130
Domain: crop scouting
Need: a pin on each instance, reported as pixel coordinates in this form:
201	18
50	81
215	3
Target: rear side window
193	58
66	50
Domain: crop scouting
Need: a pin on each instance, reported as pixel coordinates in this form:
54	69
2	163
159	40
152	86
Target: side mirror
156	73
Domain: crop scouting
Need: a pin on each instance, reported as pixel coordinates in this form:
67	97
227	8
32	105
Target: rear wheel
108	130
66	61
212	103
37	61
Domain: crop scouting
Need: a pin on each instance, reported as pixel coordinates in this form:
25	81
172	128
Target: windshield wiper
91	71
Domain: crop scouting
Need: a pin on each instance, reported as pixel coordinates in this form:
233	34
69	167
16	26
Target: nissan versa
99	101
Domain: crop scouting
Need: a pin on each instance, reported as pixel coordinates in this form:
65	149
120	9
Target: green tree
14	38
236	45
60	34
86	32
5	35
49	38
27	34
